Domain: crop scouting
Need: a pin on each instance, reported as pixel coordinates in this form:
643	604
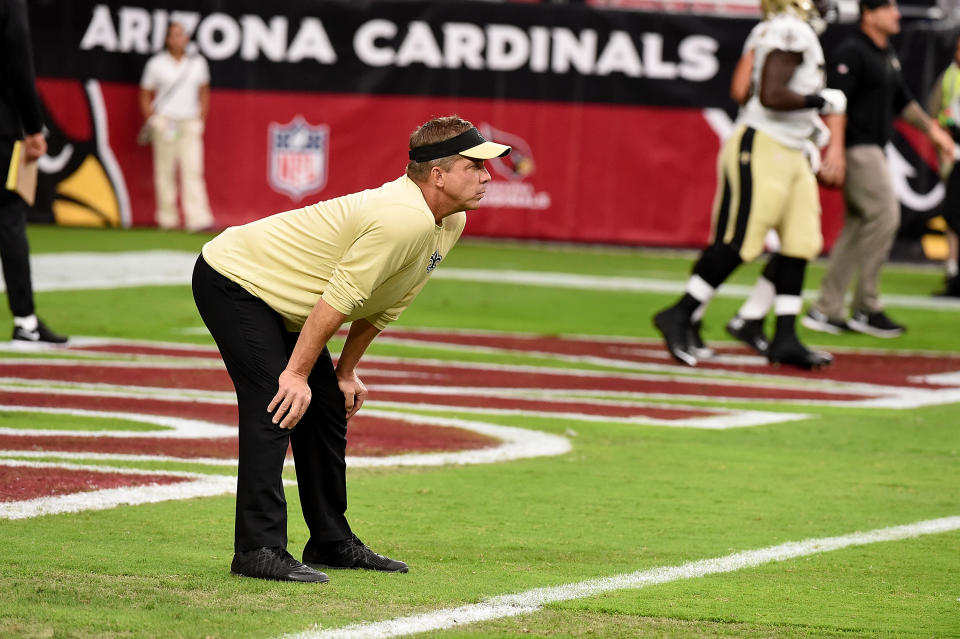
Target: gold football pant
762	185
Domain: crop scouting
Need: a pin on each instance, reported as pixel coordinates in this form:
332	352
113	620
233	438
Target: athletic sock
788	302
27	323
760	300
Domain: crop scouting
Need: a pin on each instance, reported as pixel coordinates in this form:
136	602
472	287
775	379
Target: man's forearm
146	103
837	123
359	338
321	324
203	98
916	117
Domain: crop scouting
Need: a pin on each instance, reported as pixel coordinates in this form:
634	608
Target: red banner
579	172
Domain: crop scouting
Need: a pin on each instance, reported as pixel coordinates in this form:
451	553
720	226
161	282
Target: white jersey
748	46
176	83
786	32
752	37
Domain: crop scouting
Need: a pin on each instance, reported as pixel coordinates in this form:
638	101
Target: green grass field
628	497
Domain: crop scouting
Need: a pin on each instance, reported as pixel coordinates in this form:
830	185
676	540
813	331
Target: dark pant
14	249
951	202
255	347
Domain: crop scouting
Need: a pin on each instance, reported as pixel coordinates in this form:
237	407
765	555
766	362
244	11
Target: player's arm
740	80
776	94
359	338
293	393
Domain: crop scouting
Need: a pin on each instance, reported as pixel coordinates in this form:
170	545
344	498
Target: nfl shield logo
297	157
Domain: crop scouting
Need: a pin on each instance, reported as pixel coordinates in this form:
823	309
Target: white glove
821	134
812	152
835	101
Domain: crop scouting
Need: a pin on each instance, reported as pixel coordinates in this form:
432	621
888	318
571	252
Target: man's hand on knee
291	401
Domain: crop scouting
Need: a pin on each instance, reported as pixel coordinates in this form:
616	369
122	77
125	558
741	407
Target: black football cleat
274	563
698	348
349	553
750	332
675	326
792	353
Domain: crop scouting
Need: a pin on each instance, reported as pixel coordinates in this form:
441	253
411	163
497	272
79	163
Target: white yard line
69	271
198	486
515	443
533	600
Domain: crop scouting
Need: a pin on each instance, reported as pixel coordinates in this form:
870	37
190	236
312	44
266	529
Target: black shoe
675	327
750	332
790	351
952	288
817	321
698	348
41	334
349	553
274	563
876	324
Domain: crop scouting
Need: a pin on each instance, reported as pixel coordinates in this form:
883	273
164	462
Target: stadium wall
615	116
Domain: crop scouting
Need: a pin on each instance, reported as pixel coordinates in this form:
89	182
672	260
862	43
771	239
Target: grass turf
626	498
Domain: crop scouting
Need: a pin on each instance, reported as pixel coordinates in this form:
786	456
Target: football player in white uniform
767	180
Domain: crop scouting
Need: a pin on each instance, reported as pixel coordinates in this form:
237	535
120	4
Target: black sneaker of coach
42	334
349	553
274	563
876	324
750	332
817	321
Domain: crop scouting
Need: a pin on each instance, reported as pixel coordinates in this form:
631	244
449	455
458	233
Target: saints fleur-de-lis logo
434	261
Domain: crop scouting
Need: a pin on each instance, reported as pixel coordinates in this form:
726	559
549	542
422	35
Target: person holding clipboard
21	144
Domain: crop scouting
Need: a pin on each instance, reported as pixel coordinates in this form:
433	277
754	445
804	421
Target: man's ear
436	176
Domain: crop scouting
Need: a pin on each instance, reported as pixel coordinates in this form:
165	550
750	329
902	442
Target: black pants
256	347
14	249
951	202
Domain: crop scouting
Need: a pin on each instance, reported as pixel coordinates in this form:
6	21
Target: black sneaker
876	324
41	334
349	553
274	563
750	332
675	327
698	347
817	321
790	351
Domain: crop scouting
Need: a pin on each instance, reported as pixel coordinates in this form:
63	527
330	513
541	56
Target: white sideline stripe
81	270
533	600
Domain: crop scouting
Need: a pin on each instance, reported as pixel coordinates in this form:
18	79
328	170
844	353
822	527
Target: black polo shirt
873	83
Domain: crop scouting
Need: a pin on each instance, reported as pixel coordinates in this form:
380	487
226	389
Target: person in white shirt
174	100
767	180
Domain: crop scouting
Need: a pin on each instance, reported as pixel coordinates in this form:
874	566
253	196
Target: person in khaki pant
866	69
174	100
